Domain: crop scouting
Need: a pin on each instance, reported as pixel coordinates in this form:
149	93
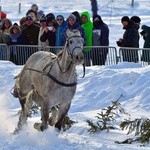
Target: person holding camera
42	45
130	39
49	31
146	36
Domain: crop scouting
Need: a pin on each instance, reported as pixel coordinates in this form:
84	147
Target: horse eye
70	41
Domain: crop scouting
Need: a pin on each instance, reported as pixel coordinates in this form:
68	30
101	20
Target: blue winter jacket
59	34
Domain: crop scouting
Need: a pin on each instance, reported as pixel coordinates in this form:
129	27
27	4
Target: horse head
74	45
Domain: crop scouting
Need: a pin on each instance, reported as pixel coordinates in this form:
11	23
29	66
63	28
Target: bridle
70	53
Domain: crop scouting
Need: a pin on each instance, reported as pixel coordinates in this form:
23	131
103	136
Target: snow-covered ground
128	82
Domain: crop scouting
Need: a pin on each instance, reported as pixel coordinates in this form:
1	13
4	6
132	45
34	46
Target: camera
50	28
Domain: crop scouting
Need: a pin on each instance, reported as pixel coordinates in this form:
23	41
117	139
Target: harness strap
53	78
61	83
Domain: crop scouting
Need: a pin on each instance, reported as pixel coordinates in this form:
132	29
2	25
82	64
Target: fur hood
14	26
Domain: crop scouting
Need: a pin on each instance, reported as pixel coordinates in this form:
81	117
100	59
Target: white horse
50	80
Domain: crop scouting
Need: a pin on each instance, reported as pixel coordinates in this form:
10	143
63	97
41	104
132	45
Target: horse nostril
77	57
81	57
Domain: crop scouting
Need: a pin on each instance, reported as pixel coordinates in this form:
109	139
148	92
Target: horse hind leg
22	117
26	104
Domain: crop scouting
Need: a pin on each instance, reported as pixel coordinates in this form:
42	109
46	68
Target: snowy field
128	82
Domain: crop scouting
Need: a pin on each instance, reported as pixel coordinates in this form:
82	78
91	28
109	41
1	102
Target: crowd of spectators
38	28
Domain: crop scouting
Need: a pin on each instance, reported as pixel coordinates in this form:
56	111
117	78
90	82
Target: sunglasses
59	19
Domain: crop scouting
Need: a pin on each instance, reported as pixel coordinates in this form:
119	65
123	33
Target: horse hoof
16	131
40	127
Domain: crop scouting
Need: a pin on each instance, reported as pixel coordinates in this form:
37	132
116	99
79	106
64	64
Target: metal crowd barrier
4	52
137	55
20	53
94	55
100	55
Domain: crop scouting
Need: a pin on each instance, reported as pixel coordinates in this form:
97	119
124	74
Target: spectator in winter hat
62	25
72	19
31	29
87	25
43	19
136	19
6	24
4	32
146	37
34	7
125	20
49	31
51	22
33	14
73	25
50	17
78	18
16	38
3	15
40	13
100	37
41	44
130	39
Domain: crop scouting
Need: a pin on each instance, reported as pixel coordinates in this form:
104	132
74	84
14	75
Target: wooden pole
94	7
19	7
132	5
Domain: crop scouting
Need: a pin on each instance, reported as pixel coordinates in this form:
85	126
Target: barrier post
19	7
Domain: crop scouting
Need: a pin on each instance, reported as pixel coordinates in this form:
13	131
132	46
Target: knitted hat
125	18
50	17
136	19
72	16
3	15
40	13
43	19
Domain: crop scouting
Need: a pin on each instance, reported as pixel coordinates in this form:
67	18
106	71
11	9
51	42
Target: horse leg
23	116
54	115
26	104
45	116
63	110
